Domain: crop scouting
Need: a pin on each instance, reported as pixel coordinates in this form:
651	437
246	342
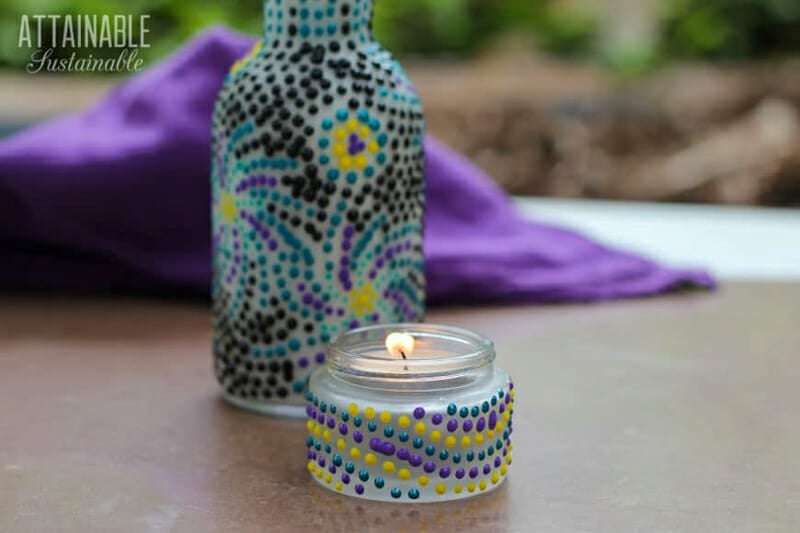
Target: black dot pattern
318	197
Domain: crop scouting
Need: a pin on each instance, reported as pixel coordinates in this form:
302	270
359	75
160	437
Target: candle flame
400	344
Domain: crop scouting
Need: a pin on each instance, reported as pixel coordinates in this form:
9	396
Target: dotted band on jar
425	453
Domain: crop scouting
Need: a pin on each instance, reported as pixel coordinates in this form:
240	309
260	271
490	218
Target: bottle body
318	200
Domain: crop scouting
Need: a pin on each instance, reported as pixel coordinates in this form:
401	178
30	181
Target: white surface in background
731	242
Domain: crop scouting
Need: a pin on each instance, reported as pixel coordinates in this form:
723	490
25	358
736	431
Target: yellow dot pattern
254	51
400	472
340	147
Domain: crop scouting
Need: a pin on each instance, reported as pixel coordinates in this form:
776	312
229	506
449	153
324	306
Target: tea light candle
410	413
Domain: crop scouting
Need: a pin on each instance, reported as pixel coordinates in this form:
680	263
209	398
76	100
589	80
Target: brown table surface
677	414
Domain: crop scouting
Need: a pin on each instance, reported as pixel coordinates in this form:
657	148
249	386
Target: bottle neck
318	20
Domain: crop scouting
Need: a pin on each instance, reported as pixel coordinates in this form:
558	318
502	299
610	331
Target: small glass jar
434	426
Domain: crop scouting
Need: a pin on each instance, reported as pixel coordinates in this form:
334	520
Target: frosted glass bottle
318	199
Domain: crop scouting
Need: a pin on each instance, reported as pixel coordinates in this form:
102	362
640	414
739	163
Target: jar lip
476	351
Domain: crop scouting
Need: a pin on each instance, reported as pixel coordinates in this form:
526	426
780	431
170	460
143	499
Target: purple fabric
117	198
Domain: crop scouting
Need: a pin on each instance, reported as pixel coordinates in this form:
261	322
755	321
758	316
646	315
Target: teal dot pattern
317	197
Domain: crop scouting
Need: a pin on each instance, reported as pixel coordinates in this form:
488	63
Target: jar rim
471	351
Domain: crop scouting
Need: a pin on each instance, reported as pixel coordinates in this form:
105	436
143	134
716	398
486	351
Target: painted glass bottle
318	199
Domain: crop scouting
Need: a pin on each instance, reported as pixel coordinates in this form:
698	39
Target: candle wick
404	358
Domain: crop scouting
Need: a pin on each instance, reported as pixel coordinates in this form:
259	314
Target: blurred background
649	100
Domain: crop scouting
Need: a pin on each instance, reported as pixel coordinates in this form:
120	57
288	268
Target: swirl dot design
318	196
427	469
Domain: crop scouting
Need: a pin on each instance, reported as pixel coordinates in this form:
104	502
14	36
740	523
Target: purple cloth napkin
117	198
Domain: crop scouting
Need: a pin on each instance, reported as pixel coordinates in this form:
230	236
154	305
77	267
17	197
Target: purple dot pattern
317	189
382	446
446	450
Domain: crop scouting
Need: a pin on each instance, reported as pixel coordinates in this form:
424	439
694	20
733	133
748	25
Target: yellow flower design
352	143
362	299
227	206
